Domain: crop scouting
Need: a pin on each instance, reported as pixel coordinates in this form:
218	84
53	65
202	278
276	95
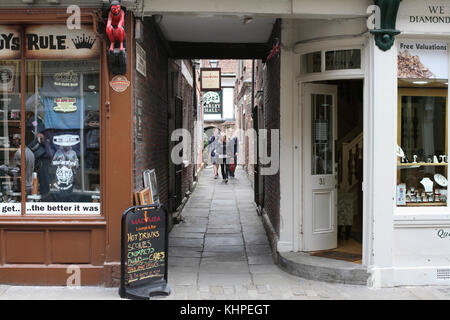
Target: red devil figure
114	27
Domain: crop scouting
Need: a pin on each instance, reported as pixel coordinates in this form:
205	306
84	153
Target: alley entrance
221	241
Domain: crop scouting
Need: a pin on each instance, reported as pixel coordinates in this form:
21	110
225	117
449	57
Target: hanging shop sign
210	79
9	42
212	102
119	83
144	250
420	59
424	16
58	42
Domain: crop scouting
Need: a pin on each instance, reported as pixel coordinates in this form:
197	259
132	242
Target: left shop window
10	136
62	126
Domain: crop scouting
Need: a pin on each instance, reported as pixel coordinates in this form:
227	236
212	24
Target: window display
62	122
10	138
422	146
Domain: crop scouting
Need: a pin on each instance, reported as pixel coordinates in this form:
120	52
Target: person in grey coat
225	153
213	141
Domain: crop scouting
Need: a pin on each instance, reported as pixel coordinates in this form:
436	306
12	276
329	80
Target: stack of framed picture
149	195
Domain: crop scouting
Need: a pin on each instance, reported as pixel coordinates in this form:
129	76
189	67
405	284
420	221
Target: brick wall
271	87
153	150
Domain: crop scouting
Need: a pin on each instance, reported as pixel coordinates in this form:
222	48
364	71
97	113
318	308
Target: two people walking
224	153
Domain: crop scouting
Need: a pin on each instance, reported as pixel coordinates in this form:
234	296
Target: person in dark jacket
234	145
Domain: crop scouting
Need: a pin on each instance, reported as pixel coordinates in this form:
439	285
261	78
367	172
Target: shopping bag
232	166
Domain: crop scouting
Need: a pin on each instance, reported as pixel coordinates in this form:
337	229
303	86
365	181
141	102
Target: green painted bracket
385	36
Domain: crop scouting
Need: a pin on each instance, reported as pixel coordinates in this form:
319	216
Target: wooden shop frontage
63	107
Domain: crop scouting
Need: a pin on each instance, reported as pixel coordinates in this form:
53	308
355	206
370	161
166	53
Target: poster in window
7	73
421	59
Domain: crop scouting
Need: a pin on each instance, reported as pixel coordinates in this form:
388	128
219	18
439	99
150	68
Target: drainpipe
194	106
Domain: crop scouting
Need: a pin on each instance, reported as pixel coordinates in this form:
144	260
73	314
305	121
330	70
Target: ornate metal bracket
384	36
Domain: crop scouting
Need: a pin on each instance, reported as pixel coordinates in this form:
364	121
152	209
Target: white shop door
320	195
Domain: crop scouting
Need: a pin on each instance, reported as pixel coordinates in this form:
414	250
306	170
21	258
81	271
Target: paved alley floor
220	251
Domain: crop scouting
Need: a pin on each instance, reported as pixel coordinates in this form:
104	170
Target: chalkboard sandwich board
143	270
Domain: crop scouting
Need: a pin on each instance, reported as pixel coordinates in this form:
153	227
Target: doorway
333	169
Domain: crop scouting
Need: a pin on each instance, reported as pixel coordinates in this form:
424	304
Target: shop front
421	215
365	145
57	217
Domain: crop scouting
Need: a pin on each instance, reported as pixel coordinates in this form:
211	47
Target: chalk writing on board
146	255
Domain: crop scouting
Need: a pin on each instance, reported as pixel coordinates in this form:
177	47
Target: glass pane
10	139
343	59
322	134
422	174
311	62
63	130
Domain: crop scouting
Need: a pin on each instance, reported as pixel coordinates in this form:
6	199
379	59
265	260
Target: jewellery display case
422	165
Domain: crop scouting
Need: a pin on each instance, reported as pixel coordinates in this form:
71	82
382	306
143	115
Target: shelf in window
9	149
421	164
425	204
11	123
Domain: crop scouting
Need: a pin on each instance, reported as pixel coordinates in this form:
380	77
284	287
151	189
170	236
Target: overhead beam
278	8
202	50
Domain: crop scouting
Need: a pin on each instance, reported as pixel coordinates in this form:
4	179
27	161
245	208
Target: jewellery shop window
62	135
422	151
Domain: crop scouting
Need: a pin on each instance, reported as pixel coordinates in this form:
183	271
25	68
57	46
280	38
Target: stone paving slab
224	256
264	259
184	262
186	242
224	279
191	235
188	229
258	249
217	248
222	230
211	242
230	267
184	252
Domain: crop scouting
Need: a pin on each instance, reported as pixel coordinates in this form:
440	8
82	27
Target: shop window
422	165
10	136
50	121
311	62
62	127
342	59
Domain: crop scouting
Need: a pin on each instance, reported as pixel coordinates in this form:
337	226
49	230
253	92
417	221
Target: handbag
37	148
232	166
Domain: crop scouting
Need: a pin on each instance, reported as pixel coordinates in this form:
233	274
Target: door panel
322	205
319	134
